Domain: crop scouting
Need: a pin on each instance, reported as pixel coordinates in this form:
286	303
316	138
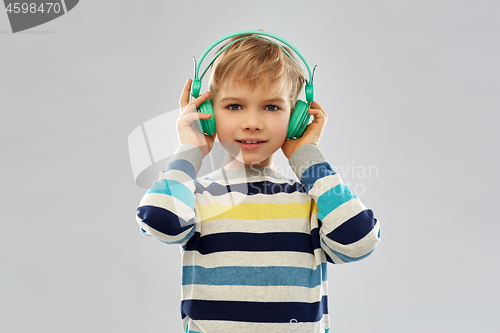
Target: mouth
250	141
250	144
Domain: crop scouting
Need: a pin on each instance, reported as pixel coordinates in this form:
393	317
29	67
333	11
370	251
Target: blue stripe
315	172
256	312
255	276
188	235
354	229
163	220
345	258
263	187
329	259
332	199
243	241
189	331
174	189
182	165
316	240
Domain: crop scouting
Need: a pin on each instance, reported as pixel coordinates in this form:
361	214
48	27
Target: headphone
300	116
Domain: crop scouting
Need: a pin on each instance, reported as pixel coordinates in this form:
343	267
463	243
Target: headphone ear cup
207	125
298	120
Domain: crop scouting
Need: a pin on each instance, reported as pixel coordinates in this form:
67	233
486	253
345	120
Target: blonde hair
259	62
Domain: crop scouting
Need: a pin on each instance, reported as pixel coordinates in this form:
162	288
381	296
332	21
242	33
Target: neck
231	163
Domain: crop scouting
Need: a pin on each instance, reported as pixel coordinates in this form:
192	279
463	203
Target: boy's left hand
311	134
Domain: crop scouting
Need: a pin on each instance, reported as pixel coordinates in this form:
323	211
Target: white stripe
254	293
158	235
169	203
332	255
245	180
325	184
178	176
253	259
357	249
342	214
249	327
255	226
238	197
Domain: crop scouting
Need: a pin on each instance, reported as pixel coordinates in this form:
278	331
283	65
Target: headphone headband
309	84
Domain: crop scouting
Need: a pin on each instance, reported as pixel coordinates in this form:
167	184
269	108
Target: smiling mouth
250	142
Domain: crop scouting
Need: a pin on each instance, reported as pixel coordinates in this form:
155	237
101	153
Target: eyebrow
237	99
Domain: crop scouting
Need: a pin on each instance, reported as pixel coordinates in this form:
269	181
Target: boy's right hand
188	127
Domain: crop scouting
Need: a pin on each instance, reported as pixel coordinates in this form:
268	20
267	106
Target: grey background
410	88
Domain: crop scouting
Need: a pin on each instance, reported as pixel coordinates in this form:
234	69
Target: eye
234	107
272	108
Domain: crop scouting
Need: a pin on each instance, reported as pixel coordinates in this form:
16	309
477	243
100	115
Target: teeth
250	141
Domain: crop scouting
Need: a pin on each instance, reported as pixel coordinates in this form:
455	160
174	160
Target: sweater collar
250	172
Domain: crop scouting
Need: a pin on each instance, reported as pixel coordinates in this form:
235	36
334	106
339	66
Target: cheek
222	124
281	125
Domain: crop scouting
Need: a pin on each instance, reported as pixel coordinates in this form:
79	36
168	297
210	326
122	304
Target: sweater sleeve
167	210
348	230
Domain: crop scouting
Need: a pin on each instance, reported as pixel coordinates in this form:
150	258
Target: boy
255	244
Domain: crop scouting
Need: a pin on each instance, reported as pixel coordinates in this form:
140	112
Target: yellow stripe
254	211
314	208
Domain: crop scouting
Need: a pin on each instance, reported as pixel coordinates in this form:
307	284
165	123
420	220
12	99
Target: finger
184	100
319	117
316	113
190	108
315	105
188	118
192	121
202	98
195	104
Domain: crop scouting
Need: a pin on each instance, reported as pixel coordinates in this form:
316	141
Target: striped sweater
255	244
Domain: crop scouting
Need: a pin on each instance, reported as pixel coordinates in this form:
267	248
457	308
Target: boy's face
243	113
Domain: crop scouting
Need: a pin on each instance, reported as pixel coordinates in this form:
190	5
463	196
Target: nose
252	121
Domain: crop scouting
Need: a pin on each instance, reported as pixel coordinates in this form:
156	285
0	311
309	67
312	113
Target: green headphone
299	117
